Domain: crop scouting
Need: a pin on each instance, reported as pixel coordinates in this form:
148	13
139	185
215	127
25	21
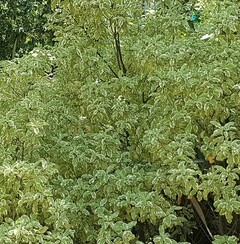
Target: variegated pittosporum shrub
128	127
30	209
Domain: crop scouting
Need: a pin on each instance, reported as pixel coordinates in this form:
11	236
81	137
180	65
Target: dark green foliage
22	26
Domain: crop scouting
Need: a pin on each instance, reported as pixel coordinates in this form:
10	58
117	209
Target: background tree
23	26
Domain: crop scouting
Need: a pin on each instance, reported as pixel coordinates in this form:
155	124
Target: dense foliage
127	131
23	26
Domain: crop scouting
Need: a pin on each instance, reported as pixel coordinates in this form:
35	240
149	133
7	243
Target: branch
98	53
200	213
115	74
119	52
150	96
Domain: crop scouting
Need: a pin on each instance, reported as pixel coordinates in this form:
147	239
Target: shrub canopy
127	130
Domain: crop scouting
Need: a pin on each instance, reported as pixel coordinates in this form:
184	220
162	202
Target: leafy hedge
127	131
